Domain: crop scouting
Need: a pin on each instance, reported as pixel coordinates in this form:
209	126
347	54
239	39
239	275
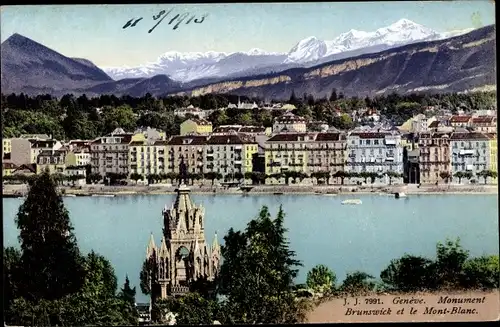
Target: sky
95	32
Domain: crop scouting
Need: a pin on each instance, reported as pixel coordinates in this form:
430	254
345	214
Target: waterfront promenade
89	190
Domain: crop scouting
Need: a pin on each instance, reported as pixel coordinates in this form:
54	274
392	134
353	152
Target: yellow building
196	126
286	152
249	149
229	154
8	168
54	161
6	147
148	134
306	153
148	158
493	155
78	157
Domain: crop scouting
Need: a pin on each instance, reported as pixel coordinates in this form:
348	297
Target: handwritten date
175	20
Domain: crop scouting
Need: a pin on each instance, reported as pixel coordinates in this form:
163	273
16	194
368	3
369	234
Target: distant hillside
457	64
32	68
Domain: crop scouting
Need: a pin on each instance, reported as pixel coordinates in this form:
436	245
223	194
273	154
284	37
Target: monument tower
183	256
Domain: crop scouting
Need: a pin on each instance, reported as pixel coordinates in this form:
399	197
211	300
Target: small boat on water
70	195
399	195
352	201
104	195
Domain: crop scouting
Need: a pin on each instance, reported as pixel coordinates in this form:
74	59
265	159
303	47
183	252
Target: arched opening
182	266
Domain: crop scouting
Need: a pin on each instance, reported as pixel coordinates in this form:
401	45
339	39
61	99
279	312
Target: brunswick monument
183	256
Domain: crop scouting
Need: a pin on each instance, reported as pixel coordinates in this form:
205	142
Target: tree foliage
48	282
257	273
451	270
358	283
50	255
321	279
81	117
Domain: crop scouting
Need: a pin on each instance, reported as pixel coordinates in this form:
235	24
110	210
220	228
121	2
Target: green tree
127	296
342	175
324	175
445	176
94	178
459	175
450	261
136	177
213	176
265	118
50	260
148	276
245	119
487	173
190	309
373	177
257	273
96	302
468	175
357	283
11	266
122	116
391	175
321	279
482	272
333	96
127	293
409	274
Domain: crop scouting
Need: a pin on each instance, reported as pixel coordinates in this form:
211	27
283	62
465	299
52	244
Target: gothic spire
163	248
215	243
151	246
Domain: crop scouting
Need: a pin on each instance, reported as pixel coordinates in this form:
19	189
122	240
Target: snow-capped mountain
400	33
189	66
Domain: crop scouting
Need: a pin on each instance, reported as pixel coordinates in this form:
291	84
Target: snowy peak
308	49
188	66
404	23
402	32
260	52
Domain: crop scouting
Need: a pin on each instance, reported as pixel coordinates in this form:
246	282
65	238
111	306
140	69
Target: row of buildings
420	157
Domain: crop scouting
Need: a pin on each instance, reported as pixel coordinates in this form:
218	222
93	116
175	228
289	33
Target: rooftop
199	121
483	120
469	136
227	139
187	140
460	119
311	137
371	135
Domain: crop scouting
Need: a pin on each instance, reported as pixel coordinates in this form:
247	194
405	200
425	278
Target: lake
321	230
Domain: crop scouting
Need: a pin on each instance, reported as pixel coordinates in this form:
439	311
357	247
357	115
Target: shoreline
16	191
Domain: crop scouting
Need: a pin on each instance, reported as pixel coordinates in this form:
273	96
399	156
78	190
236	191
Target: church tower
183	255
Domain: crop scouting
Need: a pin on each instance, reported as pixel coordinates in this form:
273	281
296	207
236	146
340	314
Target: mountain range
462	63
355	62
190	66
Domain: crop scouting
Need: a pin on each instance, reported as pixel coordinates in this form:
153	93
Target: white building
200	113
469	153
288	122
109	154
377	152
77	171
